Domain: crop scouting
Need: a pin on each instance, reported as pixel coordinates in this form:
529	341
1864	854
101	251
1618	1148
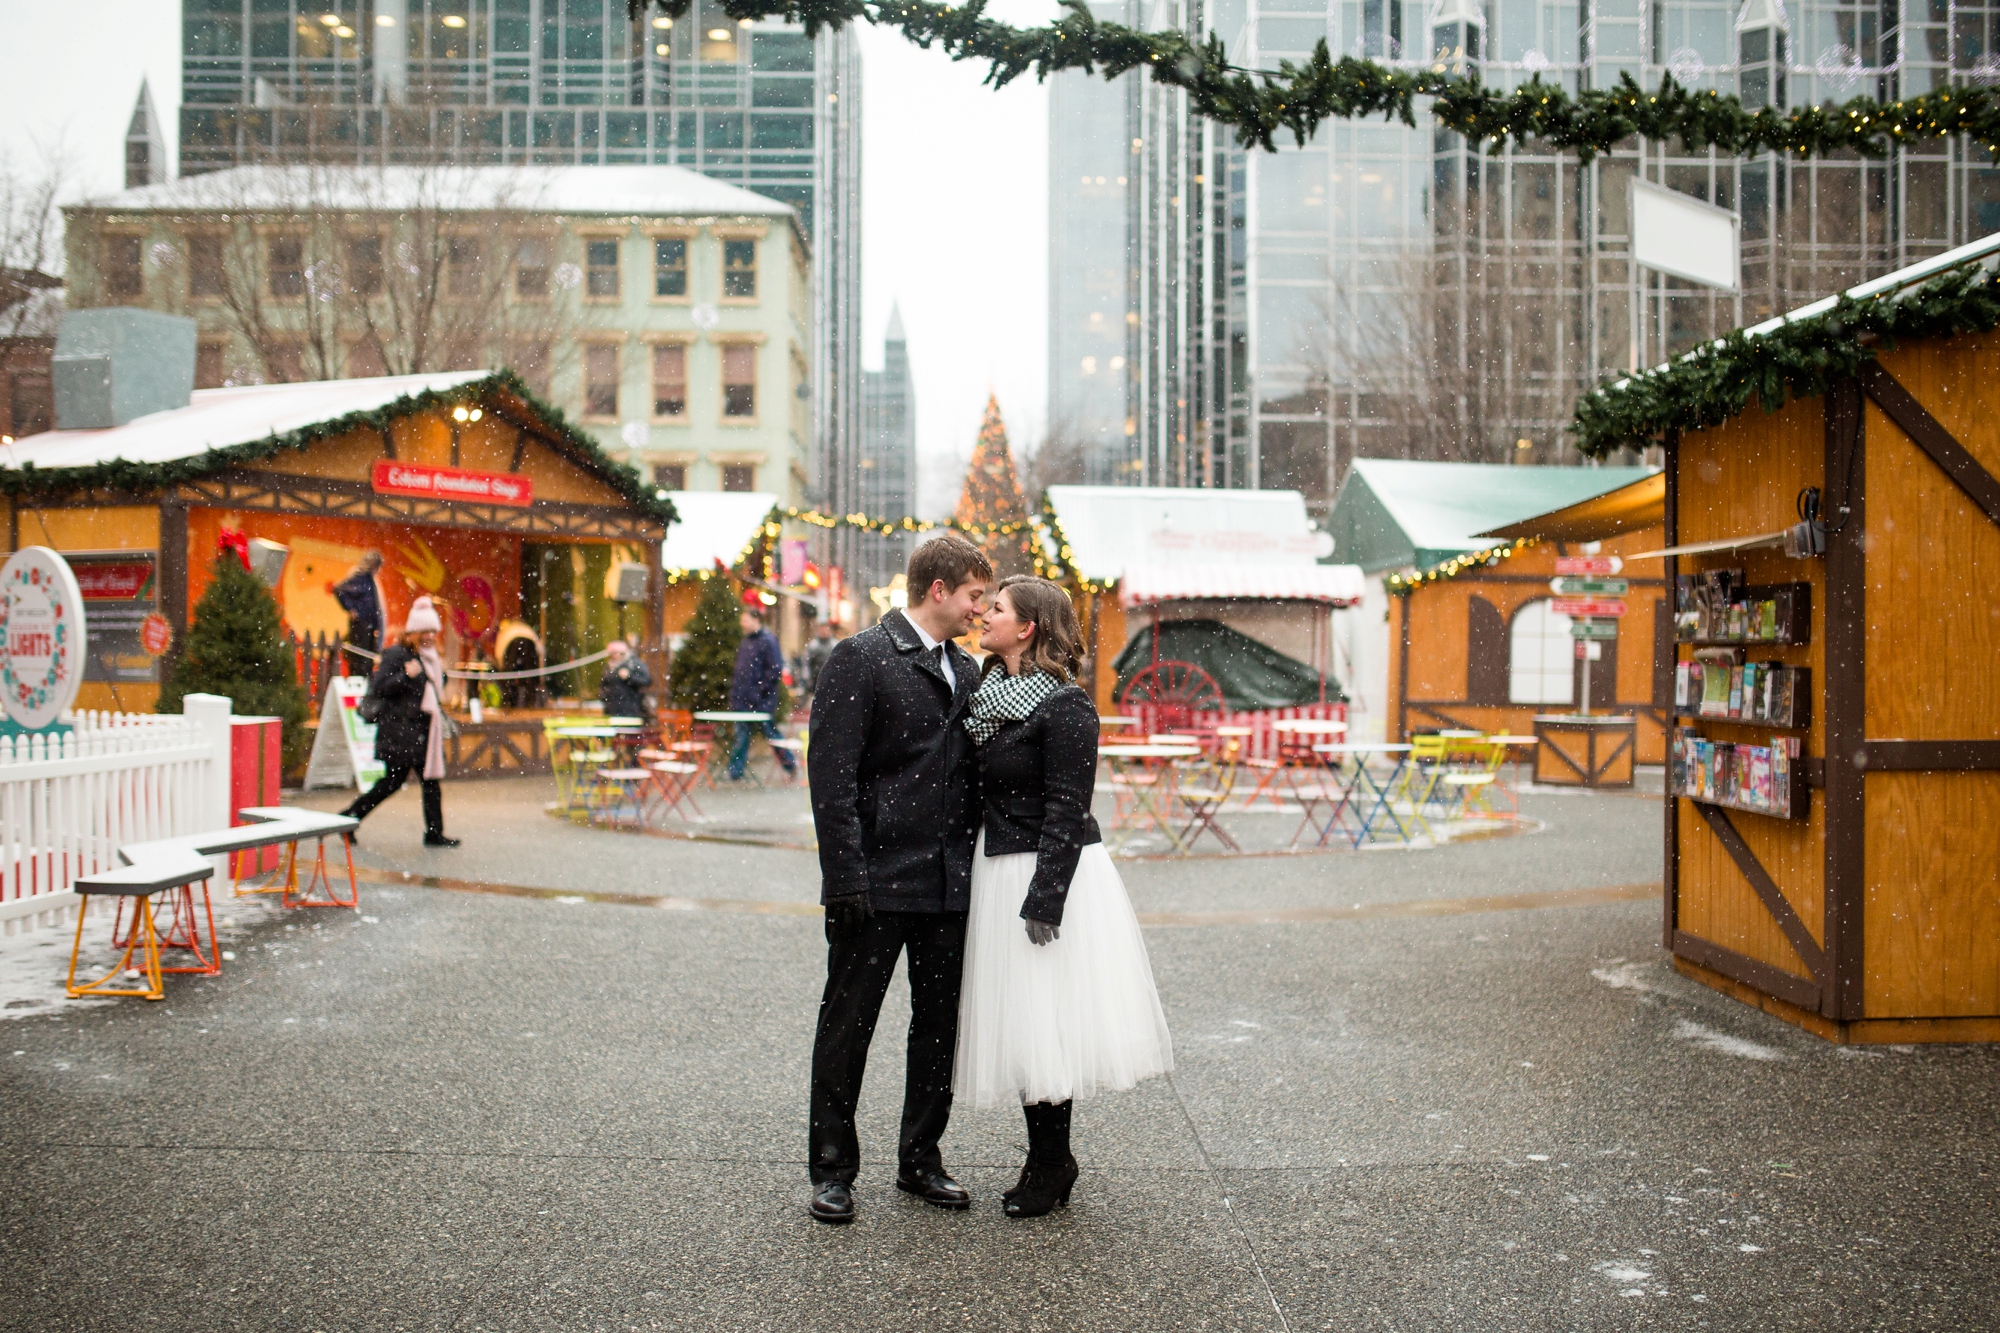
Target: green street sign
1593	629
1589	587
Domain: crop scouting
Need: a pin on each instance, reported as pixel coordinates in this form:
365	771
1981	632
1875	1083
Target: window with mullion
601	269
670	267
739	380
739	270
669	380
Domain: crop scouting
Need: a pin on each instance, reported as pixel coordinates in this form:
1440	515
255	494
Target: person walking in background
760	669
1059	999
895	806
406	703
625	683
362	600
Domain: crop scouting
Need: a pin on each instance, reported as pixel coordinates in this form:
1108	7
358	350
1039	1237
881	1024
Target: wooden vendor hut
1418	524
475	493
1595	690
1833	817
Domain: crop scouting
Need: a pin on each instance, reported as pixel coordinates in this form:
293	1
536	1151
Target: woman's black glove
1041	932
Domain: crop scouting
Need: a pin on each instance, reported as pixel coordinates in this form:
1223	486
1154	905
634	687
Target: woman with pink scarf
408	689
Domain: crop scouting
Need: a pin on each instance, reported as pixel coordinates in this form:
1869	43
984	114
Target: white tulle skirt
1045	1023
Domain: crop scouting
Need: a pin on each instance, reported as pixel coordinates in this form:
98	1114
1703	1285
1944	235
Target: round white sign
41	637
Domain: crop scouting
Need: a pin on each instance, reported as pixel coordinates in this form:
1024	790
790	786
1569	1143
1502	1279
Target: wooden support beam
1956	462
1766	889
1928	756
1845	867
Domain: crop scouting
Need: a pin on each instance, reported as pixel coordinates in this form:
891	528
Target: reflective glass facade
888	464
1384	291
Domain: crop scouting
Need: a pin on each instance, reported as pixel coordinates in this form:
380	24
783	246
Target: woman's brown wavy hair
1057	647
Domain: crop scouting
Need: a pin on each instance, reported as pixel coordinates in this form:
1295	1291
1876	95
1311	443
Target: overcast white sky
954	196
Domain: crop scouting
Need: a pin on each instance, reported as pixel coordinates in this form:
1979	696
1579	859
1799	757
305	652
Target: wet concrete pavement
582	1107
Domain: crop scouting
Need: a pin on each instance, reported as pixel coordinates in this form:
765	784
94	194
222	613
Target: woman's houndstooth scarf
1002	698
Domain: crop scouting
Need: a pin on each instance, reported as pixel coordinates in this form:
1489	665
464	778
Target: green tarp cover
1251	674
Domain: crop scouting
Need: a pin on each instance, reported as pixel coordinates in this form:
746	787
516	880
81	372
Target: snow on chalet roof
713	528
1338	585
648	190
1116	531
219	418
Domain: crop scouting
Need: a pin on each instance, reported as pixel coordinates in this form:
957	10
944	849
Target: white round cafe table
1117	721
720	716
1149	751
1311	726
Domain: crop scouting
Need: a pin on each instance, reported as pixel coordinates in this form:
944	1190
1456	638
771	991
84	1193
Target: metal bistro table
718	758
1151	790
1361	785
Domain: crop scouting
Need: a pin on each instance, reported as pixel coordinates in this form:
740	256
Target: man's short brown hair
948	559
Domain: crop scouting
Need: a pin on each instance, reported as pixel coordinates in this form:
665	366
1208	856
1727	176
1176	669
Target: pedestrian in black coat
895	805
625	682
408	686
362	600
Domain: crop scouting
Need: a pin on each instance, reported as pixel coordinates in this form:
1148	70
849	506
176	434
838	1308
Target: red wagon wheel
1175	691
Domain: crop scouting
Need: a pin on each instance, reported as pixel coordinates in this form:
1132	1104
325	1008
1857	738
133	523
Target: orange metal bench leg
140	937
183	929
320	882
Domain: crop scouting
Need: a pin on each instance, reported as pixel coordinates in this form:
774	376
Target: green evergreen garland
236	648
1801	359
706	660
1261	104
119	474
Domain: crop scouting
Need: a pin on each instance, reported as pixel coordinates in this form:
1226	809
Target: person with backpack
405	701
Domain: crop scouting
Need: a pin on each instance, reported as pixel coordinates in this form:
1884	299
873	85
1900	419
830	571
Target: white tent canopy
1117	531
1335	585
713	528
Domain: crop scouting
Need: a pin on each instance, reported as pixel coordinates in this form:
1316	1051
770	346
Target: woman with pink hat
406	701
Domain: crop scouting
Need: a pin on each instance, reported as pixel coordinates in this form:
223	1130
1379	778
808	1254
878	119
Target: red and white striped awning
1336	585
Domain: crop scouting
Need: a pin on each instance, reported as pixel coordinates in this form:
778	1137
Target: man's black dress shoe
439	841
832	1202
934	1187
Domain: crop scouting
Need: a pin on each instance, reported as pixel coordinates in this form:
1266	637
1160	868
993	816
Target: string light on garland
1297	99
1402	585
1799	359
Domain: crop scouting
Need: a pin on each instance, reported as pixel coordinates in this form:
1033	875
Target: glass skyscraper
558	81
1389	291
888	464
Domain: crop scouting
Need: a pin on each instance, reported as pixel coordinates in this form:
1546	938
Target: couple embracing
953	812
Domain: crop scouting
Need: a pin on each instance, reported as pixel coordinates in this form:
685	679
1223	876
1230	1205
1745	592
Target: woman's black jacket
1035	781
403	729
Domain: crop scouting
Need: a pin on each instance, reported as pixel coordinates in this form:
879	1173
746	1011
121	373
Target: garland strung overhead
1716	381
1402	585
1261	104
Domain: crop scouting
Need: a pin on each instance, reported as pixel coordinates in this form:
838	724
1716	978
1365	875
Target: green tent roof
1394	513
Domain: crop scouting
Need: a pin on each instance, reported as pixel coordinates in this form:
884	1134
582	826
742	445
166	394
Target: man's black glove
849	911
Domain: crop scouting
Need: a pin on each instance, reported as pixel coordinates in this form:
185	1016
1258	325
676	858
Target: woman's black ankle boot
1050	1172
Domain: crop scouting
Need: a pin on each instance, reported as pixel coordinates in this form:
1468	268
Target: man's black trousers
860	959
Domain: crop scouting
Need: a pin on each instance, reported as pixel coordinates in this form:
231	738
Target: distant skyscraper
1089	162
887	468
145	147
560	82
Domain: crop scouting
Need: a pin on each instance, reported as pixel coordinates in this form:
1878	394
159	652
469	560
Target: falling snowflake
1986	69
1686	65
1839	65
568	276
164	255
1534	61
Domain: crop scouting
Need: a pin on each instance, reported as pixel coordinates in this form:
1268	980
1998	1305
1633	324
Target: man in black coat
896	807
362	600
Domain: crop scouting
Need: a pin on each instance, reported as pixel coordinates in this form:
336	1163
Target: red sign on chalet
450	483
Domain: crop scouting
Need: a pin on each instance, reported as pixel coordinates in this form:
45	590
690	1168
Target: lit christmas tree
992	494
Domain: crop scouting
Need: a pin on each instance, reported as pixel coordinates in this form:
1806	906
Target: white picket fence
69	801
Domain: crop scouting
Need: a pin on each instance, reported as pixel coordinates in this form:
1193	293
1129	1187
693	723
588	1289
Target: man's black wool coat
894	787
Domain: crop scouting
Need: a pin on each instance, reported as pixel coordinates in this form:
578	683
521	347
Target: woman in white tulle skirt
1058	999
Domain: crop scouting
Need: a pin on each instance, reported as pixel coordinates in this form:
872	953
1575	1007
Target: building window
670	267
670	476
1541	657
739	380
670	380
531	271
365	361
601	279
463	256
529	358
204	267
285	362
739	476
600	380
122	273
739	270
208	371
287	272
364	265
33	408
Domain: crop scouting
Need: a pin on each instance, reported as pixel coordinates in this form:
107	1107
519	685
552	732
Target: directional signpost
1586	592
1588	565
